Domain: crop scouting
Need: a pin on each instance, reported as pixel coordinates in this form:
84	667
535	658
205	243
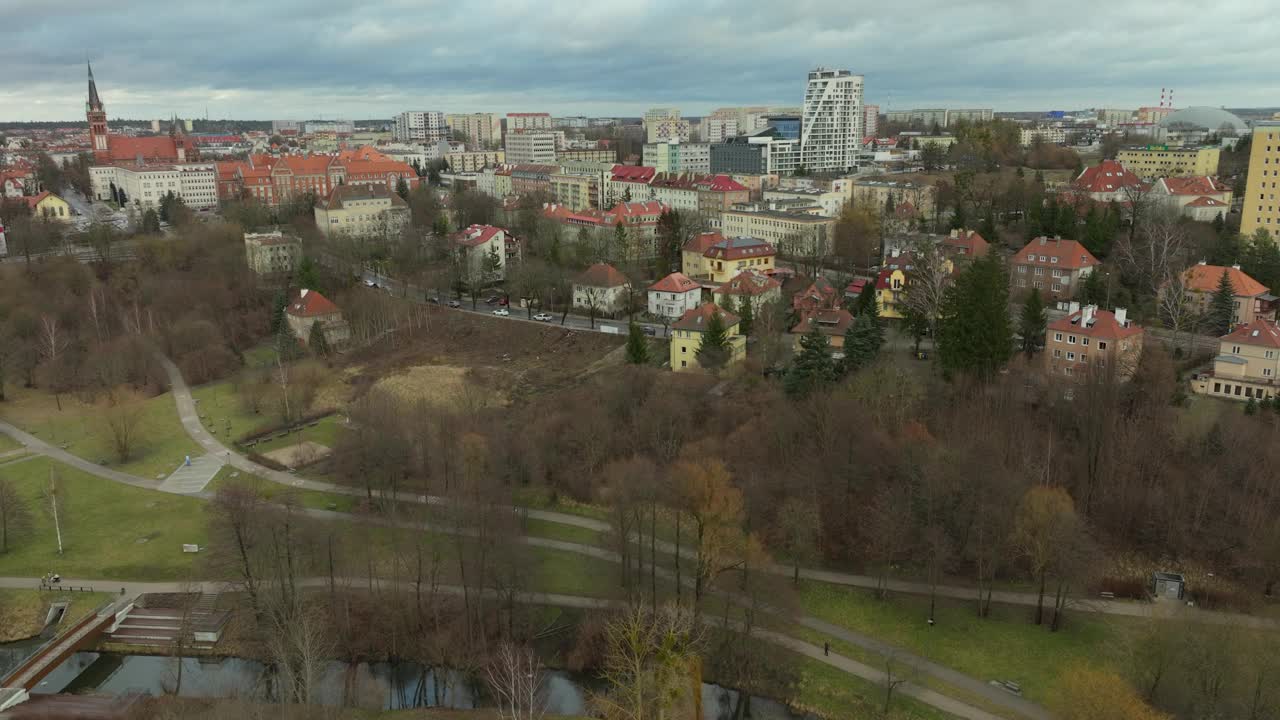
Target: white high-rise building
831	128
531	148
421	126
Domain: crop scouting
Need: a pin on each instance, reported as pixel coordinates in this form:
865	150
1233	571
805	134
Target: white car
542	317
502	311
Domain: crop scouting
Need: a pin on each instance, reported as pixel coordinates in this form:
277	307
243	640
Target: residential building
361	211
1089	342
421	126
602	288
833	323
763	152
518	122
1047	135
748	286
820	295
870	120
1247	365
963	245
1253	300
673	296
673	156
1054	266
717	193
607	155
308	307
876	192
787	126
532	178
1155	161
628	182
50	207
792	233
531	148
1108	181
831	131
718	128
1261	207
484	250
575	192
693	254
144	185
272	253
1148	114
577	122
687	334
475	160
664	124
1199	198
337	127
482	130
925	118
1112	117
891	285
970	115
728	257
831	201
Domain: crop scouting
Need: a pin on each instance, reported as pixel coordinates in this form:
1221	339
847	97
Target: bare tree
52	342
896	672
647	661
1178	309
929	279
515	677
15	513
799	524
122	418
1156	253
297	638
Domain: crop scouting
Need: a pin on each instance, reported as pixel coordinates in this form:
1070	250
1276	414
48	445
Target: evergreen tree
277	311
619	242
491	265
402	189
317	343
1260	258
1031	326
670	236
888	204
714	350
958	217
1092	291
637	345
875	328
746	314
988	229
1222	307
308	274
974	333
150	221
1065	221
866	299
860	345
440	226
1251	406
813	367
1219	225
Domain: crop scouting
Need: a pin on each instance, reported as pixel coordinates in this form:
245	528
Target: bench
1106	595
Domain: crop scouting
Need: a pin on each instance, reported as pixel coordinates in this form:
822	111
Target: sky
304	59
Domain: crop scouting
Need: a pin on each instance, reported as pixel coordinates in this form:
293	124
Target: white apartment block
144	186
1047	135
344	127
528	121
678	157
831	128
870	120
531	148
483	130
420	126
577	122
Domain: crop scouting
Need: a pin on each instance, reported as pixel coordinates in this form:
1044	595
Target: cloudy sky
337	58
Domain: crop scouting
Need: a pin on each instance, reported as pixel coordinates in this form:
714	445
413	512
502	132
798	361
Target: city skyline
328	59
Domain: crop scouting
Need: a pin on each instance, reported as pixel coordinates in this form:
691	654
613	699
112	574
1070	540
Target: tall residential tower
832	124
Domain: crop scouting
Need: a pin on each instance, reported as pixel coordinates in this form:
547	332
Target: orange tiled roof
1204	278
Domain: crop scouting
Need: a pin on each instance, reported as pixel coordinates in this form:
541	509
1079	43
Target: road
846	665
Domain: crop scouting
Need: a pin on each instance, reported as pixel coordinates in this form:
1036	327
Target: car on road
455	304
370	284
502	311
491	299
542	317
651	332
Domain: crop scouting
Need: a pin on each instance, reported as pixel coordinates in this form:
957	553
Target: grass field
325	432
221	410
1005	646
22	612
835	694
79	429
108	530
7	443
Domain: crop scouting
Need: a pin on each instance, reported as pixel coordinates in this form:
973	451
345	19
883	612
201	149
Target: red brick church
111	149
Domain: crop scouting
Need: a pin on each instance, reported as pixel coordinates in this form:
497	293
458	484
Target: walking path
192	479
846	665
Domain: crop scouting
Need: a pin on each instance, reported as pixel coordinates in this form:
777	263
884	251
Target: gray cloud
295	58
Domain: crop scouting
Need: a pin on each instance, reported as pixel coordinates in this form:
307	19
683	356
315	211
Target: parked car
502	311
491	299
455	304
370	284
542	317
651	332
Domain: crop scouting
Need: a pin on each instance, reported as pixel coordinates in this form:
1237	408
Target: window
1071	339
1238	387
1057	336
1084	357
1071	356
1102	344
1217	387
1057	353
1235	349
1266	372
1084	341
1269	354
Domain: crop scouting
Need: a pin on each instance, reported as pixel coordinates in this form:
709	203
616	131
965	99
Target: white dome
1204	118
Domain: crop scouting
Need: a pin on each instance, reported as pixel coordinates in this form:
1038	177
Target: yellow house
687	333
692	262
49	206
1247	366
1155	161
725	259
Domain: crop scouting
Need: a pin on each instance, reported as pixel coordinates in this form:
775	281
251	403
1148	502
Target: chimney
1086	315
1235	267
1122	317
303	293
1044	240
955	233
1202	262
1073	308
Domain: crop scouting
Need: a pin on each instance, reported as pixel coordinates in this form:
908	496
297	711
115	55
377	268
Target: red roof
1201	185
1103	325
696	319
740	247
675	283
1204	278
633	173
1107	176
1258	332
701	242
748	282
602	275
121	148
309	303
34	200
306	164
820	295
632	210
475	235
967	240
1204	201
830	322
720	183
1054	252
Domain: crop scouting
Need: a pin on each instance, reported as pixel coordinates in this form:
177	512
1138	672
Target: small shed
1170	586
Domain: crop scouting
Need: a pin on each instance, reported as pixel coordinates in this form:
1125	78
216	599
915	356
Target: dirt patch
303	453
441	386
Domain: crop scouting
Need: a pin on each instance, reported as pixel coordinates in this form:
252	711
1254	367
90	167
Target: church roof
95	102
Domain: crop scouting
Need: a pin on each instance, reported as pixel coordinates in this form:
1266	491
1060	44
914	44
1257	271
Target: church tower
97	117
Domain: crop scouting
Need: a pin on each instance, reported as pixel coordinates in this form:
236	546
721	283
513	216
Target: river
368	685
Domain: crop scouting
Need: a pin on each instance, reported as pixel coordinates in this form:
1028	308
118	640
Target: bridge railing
38	656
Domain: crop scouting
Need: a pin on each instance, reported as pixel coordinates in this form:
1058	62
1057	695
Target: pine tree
714	350
491	265
277	311
866	299
1222	306
974	333
860	345
988	229
813	367
308	275
875	328
1092	291
1031	326
1260	258
746	314
150	221
402	189
637	345
958	218
316	340
888	204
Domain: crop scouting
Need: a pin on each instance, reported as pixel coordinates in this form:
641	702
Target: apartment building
1262	189
530	148
474	160
1088	342
1156	161
420	126
1252	299
483	130
791	233
1247	365
1054	266
831	130
517	122
361	211
272	253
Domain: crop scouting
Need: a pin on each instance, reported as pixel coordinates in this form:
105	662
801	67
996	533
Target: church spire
95	102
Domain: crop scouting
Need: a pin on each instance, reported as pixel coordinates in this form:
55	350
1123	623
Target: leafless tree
647	661
515	677
928	281
1178	309
53	342
896	672
298	641
1156	253
122	417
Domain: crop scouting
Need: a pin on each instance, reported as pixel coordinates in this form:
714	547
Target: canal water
368	685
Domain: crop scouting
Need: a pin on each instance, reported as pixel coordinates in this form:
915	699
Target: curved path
847	665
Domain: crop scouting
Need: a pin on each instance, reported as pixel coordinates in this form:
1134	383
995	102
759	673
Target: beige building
876	192
483	130
1253	300
791	233
361	211
1247	365
1155	161
602	155
1053	266
1262	190
688	331
308	307
573	191
1089	341
531	148
272	253
474	161
603	288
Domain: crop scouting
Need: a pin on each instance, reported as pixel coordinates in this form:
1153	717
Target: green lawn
324	432
558	531
7	443
80	429
832	693
108	530
1006	646
220	408
272	491
23	612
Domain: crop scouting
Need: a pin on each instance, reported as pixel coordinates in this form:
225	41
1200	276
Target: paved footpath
846	665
